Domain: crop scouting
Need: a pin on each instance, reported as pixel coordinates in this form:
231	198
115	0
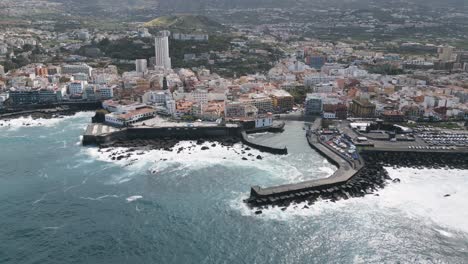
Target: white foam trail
52	227
420	195
134	198
100	197
40	199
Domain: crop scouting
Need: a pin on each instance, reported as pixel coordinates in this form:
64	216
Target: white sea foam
13	124
191	157
421	195
134	198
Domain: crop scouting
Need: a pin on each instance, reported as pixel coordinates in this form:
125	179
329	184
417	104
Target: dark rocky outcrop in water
169	143
100	116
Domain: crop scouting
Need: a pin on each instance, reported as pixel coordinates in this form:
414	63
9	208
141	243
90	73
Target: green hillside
185	23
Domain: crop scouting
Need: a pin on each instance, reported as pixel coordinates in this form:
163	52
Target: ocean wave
16	123
134	198
186	157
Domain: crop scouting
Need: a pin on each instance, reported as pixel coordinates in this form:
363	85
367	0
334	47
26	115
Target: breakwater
448	159
353	178
332	188
264	148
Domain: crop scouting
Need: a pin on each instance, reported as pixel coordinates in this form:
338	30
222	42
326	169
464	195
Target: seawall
98	134
264	148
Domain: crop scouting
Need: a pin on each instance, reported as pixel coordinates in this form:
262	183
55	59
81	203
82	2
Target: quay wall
273	150
426	158
104	138
182	132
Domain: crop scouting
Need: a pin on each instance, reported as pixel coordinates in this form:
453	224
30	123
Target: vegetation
385	69
299	94
185	24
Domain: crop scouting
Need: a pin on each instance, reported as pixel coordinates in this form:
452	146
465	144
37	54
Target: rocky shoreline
40	114
139	147
367	181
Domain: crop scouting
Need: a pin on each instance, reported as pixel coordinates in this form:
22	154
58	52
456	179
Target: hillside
185	23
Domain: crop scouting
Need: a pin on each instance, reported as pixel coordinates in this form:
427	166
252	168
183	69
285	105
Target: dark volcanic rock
205	148
258	212
259	157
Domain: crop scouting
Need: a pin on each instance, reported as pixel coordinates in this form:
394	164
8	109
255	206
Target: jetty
356	177
277	194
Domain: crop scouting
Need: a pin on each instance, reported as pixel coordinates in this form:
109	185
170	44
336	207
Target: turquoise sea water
64	203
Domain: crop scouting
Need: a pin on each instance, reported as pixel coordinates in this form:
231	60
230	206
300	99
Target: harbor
358	174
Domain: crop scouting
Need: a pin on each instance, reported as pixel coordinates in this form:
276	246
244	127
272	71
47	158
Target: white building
130	117
77	68
105	92
76	87
266	121
313	79
141	65
171	107
122	106
200	96
161	44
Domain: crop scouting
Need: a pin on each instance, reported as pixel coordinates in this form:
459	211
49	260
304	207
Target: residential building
77	68
362	108
313	104
128	118
162	58
141	65
282	100
24	97
240	110
76	87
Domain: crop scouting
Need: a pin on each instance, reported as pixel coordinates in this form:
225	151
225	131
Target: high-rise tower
161	44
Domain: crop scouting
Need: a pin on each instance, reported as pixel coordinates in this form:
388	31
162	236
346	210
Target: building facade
362	108
313	105
162	58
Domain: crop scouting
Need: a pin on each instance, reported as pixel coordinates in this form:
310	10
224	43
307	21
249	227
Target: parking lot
444	138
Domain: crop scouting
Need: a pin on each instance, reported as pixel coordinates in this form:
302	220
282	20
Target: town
330	80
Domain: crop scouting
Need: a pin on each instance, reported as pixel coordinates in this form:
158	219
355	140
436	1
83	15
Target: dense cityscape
210	117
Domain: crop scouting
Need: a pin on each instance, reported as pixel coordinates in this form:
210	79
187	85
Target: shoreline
49	111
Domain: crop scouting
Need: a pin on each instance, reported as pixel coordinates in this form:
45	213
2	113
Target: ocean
61	202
